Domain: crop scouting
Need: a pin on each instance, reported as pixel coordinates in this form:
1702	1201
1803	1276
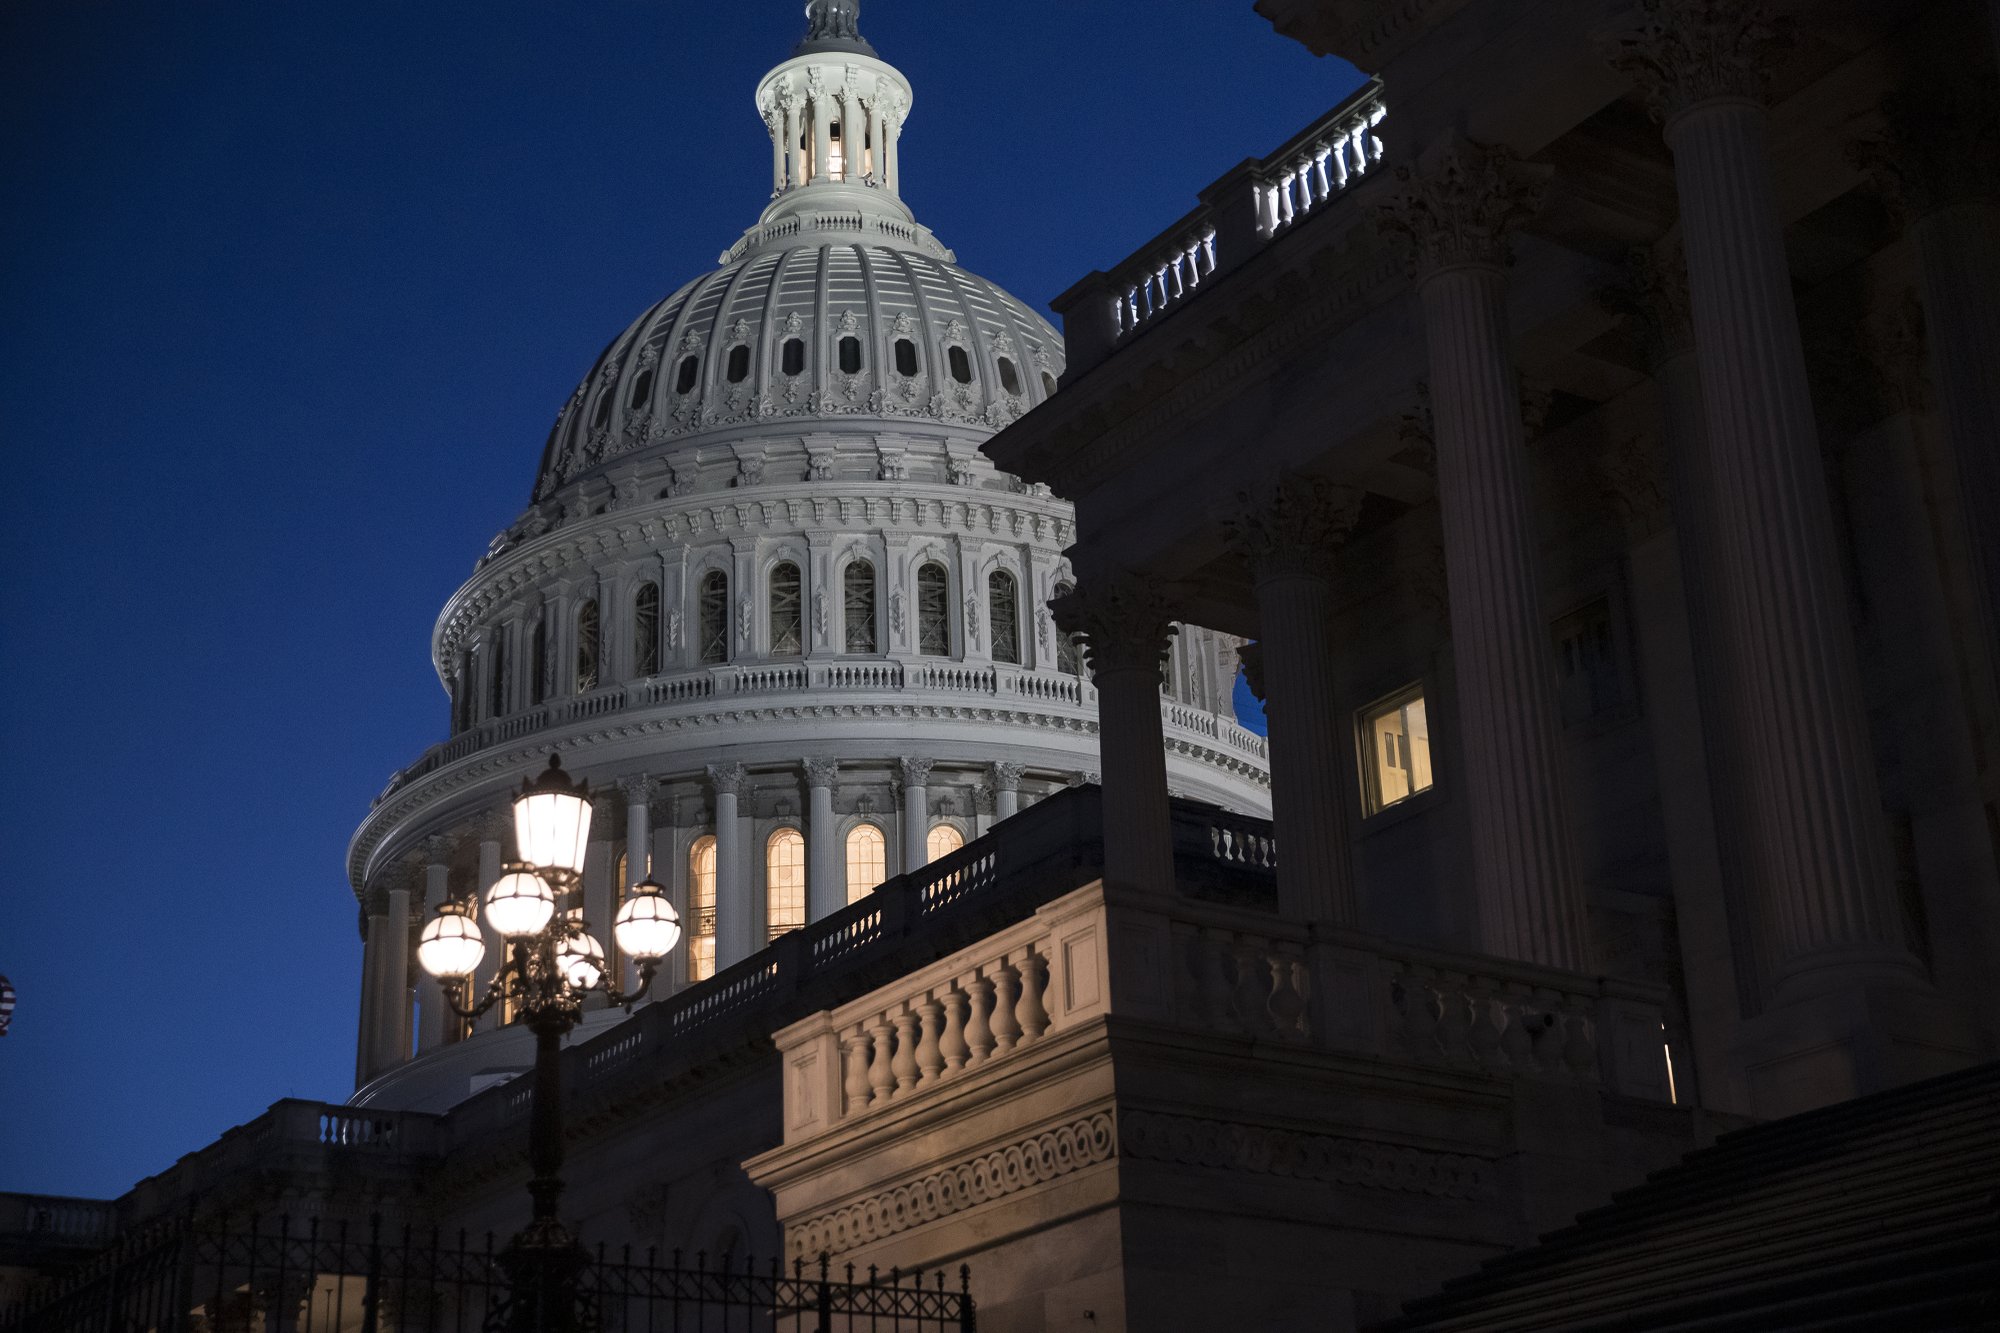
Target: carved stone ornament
1460	205
1126	622
1939	145
1687	52
819	613
1295	529
896	613
1006	777
916	771
821	772
1632	477
745	610
673	630
1654	298
638	789
727	779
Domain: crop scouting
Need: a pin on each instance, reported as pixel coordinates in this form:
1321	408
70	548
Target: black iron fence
319	1276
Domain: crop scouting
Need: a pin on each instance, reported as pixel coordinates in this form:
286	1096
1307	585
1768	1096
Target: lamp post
552	962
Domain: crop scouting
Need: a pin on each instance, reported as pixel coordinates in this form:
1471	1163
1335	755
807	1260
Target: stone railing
1238	215
702	686
54	1220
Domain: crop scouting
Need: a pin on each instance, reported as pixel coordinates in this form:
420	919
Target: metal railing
286	1275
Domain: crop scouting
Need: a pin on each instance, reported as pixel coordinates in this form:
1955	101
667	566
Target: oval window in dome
1048	385
690	369
850	356
794	356
1009	379
739	363
961	366
602	417
642	388
906	357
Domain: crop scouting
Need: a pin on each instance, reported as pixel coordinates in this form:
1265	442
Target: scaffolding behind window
1003	608
788	619
587	645
646	630
858	586
712	617
1069	656
933	610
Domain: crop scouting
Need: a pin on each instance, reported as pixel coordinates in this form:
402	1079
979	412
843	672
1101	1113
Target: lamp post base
544	1268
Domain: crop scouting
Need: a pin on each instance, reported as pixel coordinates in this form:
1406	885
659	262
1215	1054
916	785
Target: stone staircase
1881	1214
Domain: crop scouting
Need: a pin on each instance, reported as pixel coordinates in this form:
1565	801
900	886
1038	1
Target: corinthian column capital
1126	622
1460	204
1295	528
727	779
821	772
437	849
1687	52
638	789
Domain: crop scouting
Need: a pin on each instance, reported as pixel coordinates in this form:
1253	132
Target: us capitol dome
769	598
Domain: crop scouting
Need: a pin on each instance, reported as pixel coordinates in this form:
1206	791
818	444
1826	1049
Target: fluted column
821	107
1456	213
437	888
735	924
1290	534
826	885
1821	849
1005	780
374	913
1127	628
494	829
850	135
792	164
638	790
916	813
392	992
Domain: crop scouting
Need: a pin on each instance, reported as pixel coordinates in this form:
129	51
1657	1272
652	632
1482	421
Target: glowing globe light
451	946
552	820
647	927
580	959
520	904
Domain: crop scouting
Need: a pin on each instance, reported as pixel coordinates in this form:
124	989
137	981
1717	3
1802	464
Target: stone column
494	829
600	874
1821	850
638	790
1456	213
792	165
374	910
433	1018
821	105
826	885
735	923
1005	779
892	136
1127	628
851	135
916	813
392	991
1290	536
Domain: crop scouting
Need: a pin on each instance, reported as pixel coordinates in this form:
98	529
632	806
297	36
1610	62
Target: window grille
1010	380
859	615
867	861
943	841
933	611
787	611
1003	608
784	882
713	617
646	630
587	645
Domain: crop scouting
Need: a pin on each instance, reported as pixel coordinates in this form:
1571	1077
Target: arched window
858	585
642	388
794	357
713	616
462	687
1003	608
1010	380
788	619
646	630
961	365
784	881
690	371
867	861
587	644
701	905
933	611
538	662
496	668
906	357
943	841
739	363
850	356
1068	658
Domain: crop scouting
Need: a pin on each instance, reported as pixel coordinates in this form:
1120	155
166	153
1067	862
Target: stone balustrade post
1127	628
1456	212
916	813
1851	1011
826	884
1290	535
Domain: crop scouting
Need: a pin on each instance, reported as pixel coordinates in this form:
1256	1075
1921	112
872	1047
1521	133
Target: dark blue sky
292	291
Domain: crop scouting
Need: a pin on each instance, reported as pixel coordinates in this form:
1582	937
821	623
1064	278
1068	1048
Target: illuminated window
961	365
713	616
867	861
1003	608
787	611
785	882
794	356
690	369
587	656
701	900
1396	744
933	611
906	357
1068	656
943	841
1010	380
646	630
739	364
850	356
836	157
858	584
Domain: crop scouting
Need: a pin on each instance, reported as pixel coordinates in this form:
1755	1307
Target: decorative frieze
1332	1159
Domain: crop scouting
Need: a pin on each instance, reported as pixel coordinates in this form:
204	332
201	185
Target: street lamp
552	961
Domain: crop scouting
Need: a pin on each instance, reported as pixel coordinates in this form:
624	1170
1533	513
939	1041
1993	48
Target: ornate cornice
1294	528
1460	206
989	1176
1126	622
1265	1150
1688	52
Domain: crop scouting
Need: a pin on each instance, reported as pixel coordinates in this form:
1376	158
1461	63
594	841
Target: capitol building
769	597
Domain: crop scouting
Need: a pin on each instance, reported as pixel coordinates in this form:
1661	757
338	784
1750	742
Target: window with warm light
867	861
701	898
785	882
943	841
1396	750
